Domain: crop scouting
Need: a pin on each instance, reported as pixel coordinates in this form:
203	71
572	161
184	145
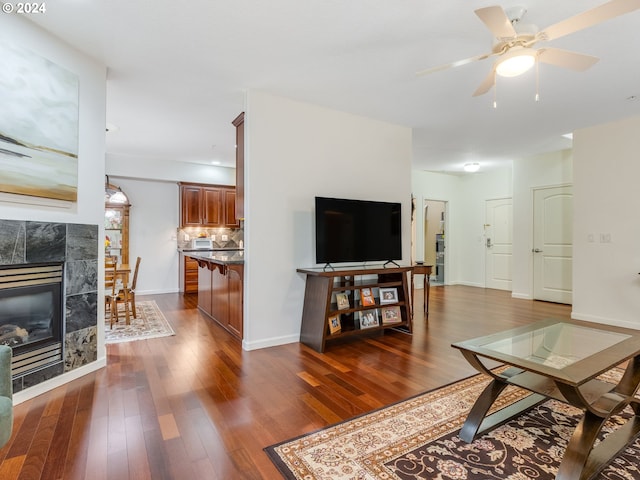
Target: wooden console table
421	269
325	318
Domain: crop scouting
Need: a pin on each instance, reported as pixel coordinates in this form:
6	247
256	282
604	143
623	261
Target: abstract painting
38	126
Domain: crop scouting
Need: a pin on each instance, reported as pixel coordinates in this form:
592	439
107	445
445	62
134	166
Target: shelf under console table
335	304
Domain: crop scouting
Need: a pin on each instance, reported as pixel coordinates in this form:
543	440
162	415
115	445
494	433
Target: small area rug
149	324
417	439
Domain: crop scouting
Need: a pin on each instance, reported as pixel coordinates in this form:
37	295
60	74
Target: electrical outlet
213	238
186	237
225	238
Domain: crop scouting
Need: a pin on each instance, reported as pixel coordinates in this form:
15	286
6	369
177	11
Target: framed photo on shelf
388	295
369	319
366	297
391	315
342	299
334	324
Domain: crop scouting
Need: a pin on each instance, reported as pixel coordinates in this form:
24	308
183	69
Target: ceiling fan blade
497	22
459	63
602	13
564	58
486	84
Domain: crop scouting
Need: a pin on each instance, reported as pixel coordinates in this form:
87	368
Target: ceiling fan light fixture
471	167
515	62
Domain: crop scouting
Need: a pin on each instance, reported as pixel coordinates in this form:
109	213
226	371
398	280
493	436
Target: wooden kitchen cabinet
238	122
189	274
210	206
220	292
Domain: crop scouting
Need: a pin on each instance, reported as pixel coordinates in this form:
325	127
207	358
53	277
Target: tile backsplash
221	237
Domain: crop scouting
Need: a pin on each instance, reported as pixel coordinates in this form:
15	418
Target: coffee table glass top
557	345
569	351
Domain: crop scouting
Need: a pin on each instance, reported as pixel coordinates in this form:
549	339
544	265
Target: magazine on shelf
366	297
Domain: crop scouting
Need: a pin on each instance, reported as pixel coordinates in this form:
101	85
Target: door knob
536	250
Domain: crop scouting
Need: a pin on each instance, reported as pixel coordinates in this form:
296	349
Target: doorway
498	242
434	238
553	244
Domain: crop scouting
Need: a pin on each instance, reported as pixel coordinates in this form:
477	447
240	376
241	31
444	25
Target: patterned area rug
149	324
417	439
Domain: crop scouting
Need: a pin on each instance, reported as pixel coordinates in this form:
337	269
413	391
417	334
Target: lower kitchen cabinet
220	291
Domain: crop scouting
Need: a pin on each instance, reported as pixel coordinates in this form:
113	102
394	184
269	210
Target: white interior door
498	234
553	244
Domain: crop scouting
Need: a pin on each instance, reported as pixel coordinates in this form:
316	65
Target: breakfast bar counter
220	287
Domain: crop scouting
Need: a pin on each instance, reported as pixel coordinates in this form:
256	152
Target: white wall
153	222
89	208
295	151
529	173
606	201
166	170
465	196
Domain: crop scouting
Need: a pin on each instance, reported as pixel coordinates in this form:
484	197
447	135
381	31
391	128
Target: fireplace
31	314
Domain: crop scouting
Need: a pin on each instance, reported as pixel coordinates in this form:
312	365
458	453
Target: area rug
417	439
150	323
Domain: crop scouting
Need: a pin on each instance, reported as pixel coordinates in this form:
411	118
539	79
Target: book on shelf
342	300
369	318
391	315
366	297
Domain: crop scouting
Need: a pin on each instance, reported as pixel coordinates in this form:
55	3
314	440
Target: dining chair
129	291
112	289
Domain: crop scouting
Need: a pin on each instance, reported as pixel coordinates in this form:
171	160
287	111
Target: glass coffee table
561	359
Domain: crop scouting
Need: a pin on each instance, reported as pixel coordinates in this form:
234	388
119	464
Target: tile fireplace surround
76	246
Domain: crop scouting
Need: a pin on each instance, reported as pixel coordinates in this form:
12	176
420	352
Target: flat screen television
357	230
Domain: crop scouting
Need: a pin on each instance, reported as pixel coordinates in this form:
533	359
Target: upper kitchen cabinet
116	223
210	206
238	122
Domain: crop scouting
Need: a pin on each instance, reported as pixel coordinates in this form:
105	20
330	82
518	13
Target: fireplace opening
31	314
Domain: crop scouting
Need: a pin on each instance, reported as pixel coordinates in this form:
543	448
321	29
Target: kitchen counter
222	257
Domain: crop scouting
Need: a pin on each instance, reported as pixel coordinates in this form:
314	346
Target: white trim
58	381
157	292
606	321
270	342
521	296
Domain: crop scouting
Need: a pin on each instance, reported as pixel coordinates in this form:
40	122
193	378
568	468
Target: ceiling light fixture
471	167
516	61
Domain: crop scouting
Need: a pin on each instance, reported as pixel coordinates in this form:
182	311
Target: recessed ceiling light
471	167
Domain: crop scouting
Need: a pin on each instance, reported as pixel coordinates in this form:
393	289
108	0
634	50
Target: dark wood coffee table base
599	400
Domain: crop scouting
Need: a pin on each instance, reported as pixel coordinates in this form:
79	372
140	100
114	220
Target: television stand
335	305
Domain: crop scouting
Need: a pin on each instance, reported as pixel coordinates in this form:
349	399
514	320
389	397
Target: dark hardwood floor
196	406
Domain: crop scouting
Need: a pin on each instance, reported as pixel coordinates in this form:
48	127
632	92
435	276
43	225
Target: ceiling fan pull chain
495	91
537	80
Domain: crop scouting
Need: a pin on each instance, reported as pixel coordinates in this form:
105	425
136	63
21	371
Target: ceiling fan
514	44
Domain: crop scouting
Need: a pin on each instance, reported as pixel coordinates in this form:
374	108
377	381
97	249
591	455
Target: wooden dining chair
128	293
111	289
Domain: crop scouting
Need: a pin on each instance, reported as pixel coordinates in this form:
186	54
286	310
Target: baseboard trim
521	296
604	320
44	387
270	342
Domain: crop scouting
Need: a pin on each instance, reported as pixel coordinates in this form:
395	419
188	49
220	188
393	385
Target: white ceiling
178	70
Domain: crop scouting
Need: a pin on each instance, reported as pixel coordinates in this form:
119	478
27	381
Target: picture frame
366	297
391	315
388	295
334	324
369	319
342	300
